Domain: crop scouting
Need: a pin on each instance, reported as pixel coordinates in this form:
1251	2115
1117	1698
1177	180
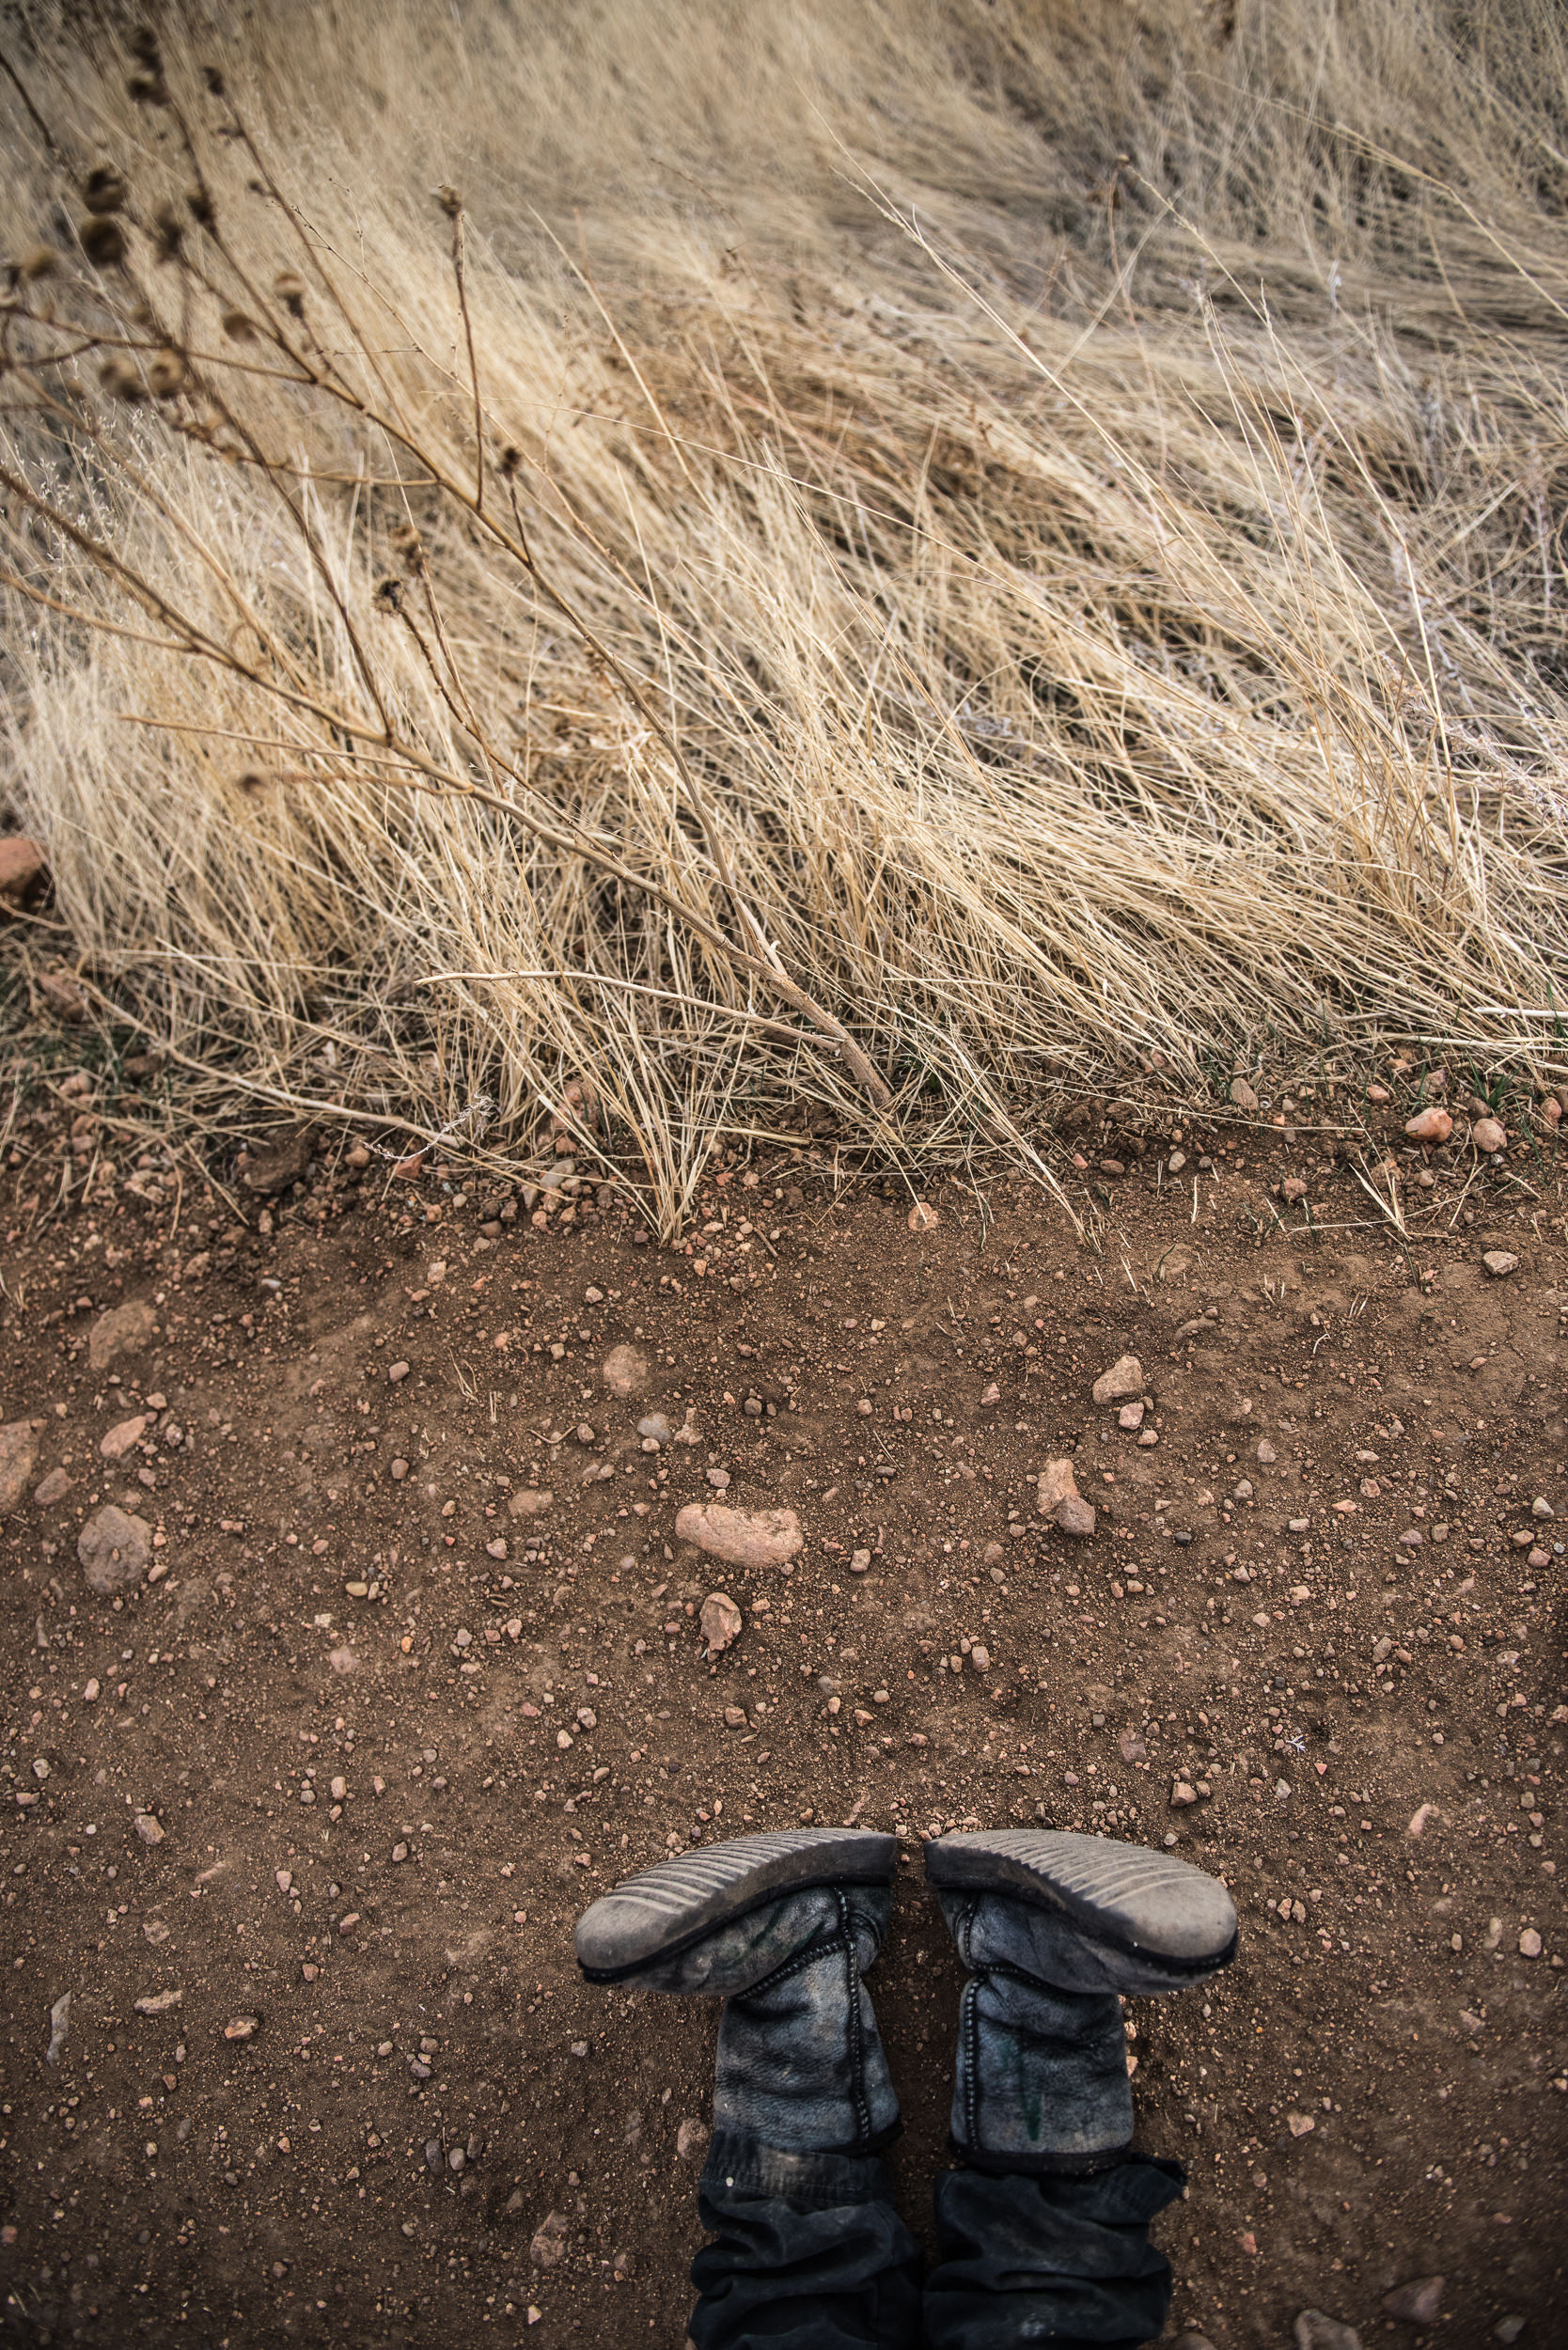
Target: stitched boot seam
857	2053
806	1956
968	2024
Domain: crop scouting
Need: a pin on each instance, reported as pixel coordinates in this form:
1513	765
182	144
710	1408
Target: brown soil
1372	1729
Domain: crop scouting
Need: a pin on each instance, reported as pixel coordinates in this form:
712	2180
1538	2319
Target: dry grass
1004	544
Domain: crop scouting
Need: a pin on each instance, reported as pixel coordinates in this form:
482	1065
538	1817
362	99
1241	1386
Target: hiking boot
782	1927
1051	1928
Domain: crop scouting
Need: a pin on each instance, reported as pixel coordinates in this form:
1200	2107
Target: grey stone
115	1550
1417	2303
1314	2330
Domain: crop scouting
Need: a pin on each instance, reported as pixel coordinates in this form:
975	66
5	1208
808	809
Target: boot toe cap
649	1916
1123	1894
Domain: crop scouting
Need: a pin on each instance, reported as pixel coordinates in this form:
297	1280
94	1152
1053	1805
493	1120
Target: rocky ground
360	1631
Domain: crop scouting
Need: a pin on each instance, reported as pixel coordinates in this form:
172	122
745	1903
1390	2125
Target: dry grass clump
870	561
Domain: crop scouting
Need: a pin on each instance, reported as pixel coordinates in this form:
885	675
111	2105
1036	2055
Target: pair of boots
1051	1930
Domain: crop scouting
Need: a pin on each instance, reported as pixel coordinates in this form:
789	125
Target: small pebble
1429	1125
1316	2330
624	1370
1125	1378
719	1622
1417	2303
123	1438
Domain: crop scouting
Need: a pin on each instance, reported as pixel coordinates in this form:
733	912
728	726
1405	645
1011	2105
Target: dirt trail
301	1820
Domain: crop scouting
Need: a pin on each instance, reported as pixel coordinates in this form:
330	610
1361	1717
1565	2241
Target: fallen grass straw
965	596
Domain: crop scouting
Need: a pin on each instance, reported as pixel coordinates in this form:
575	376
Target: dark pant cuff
1042	2166
737	2165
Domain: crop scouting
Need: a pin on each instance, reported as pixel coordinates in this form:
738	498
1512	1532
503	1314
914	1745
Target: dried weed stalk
746	686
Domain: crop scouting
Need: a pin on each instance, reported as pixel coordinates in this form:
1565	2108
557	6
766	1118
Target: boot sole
667	1908
1124	1894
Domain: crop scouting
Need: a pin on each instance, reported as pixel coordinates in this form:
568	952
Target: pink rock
19	1449
22	863
923	1216
741	1538
1488	1133
624	1370
1429	1125
1061	1500
122	1438
720	1621
55	1488
124	1330
1056	1481
528	1504
1123	1378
